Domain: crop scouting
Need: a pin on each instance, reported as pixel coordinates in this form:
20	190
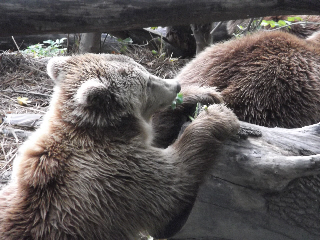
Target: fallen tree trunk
57	16
266	186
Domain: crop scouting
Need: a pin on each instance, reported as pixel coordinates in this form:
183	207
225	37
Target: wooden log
266	186
19	17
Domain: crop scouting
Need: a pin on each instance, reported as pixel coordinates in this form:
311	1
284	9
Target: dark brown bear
89	172
267	78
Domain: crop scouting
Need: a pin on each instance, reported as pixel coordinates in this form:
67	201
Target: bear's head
106	91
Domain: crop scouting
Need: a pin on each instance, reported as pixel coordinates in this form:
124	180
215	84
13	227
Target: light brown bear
90	172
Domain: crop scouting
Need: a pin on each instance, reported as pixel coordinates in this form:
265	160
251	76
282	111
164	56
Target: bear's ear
92	93
55	67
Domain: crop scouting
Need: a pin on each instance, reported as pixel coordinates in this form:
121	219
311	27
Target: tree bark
201	33
90	42
19	17
266	186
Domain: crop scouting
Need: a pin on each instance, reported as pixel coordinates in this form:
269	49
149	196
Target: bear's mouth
178	88
178	100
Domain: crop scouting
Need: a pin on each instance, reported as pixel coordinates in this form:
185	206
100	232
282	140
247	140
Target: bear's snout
178	88
172	84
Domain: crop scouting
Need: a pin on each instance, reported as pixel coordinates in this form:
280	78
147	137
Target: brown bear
267	78
90	171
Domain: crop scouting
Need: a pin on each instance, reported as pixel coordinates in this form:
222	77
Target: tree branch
57	16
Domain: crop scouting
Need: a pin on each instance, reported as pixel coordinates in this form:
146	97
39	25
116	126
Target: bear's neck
96	136
133	128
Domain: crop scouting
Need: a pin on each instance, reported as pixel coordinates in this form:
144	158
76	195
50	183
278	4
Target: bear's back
268	78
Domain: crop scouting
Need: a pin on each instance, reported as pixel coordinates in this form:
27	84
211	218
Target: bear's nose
178	88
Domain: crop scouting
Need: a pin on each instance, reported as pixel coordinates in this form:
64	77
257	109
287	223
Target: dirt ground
25	77
20	76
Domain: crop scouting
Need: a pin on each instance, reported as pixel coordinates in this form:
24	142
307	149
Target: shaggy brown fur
268	78
90	172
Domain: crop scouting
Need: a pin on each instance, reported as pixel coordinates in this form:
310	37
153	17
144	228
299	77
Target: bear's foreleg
201	140
195	152
168	122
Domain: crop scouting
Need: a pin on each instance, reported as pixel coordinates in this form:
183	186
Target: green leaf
191	118
290	19
127	40
282	23
264	23
174	105
59	41
205	108
49	41
273	24
197	110
293	19
179	98
53	49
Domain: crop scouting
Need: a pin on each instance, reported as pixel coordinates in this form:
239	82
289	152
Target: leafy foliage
199	108
255	25
177	101
124	43
273	24
280	23
49	48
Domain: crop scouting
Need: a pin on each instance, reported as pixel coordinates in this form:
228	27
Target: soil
25	77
